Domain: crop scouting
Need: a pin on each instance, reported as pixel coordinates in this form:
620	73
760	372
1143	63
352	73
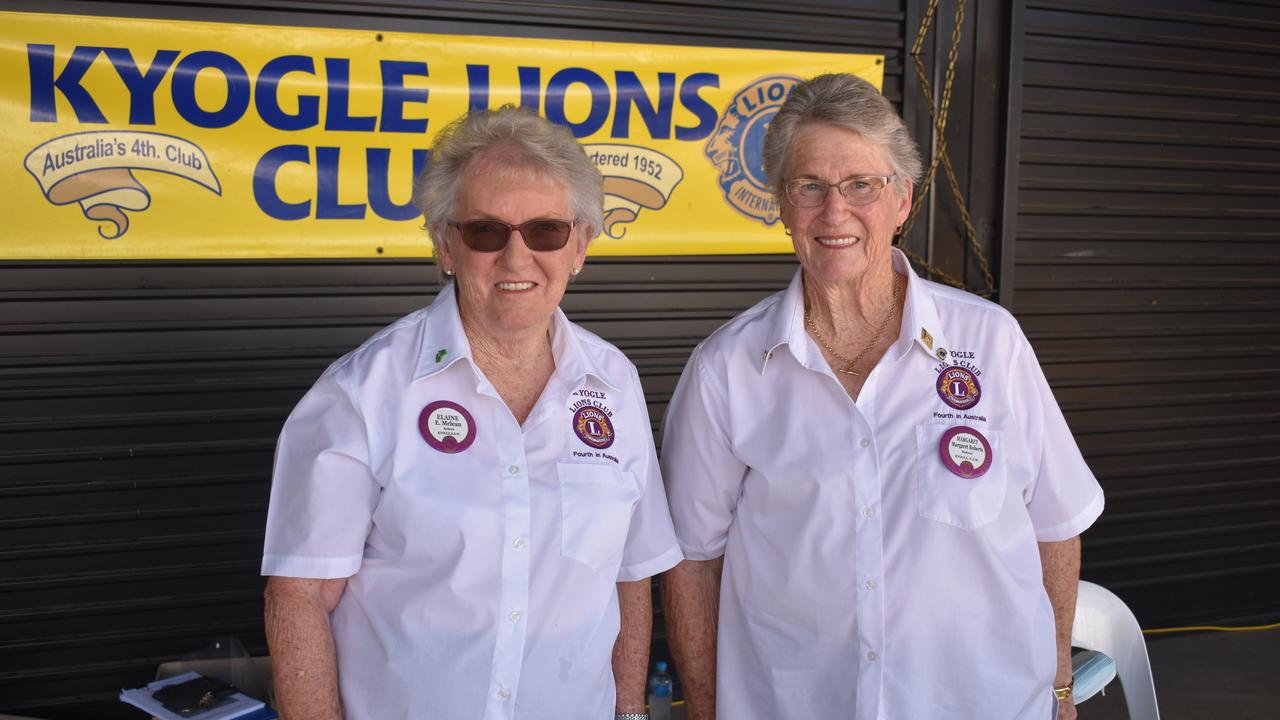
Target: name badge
447	426
965	452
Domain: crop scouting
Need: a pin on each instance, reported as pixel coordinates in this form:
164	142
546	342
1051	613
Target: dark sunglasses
492	235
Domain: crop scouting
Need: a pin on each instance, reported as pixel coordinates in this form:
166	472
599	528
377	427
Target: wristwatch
631	716
1064	692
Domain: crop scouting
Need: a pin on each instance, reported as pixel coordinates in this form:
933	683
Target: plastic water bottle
660	693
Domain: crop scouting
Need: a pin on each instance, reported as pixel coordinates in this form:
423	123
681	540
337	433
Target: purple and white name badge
965	452
447	426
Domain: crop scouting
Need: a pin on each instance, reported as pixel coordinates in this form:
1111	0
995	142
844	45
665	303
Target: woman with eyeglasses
877	496
466	510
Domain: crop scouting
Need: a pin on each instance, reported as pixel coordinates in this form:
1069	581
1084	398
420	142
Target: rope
1215	628
941	155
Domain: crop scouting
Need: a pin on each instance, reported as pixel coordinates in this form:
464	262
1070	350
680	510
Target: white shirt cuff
649	568
311	567
1074	526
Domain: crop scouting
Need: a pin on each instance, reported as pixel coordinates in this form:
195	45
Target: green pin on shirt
441	353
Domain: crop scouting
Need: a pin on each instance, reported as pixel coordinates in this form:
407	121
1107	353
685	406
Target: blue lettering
40	69
530	87
327	205
630	90
395	95
378	161
700	108
478	87
337	115
264	183
600	100
142	86
267	99
184	89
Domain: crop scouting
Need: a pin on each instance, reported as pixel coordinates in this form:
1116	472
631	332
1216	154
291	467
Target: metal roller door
1144	264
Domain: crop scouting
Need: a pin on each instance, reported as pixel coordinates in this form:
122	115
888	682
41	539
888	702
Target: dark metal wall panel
1145	267
139	401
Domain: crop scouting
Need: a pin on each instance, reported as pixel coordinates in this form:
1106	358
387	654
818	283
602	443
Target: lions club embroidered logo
592	426
959	387
737	146
592	418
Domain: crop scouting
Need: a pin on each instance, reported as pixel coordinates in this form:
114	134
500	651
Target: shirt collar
788	325
573	363
920	326
444	342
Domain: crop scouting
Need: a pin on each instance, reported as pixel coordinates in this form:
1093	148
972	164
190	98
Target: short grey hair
845	101
517	139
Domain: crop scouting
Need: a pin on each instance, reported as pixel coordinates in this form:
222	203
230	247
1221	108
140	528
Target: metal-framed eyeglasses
856	190
543	235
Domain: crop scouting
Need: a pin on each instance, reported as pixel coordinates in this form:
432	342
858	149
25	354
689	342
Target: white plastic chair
1104	623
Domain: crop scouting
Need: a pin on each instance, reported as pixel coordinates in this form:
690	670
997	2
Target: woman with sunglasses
467	509
877	495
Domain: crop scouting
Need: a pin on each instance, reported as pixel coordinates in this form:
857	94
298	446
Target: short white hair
845	101
513	138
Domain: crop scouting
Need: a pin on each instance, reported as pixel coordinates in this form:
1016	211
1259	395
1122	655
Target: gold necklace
850	364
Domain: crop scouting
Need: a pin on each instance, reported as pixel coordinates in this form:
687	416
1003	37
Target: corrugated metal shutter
1145	166
139	401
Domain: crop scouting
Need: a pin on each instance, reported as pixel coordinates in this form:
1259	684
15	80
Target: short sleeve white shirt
482	556
880	557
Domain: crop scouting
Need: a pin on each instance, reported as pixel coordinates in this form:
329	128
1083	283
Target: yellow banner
130	138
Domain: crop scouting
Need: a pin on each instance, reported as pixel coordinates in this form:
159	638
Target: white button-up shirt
877	565
481	556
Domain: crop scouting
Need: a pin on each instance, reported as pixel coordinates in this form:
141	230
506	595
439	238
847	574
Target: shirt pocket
967	503
596	503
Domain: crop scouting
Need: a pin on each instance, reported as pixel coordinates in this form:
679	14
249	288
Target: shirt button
865	443
503	694
514	616
868	512
518	543
514	469
870	584
871	655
